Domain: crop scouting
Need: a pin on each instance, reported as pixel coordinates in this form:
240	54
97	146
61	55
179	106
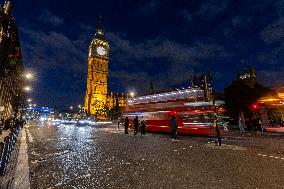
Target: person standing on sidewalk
126	125
218	134
174	127
242	122
142	126
136	125
261	126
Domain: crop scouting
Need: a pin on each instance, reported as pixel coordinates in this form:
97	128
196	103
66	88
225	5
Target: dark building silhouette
11	65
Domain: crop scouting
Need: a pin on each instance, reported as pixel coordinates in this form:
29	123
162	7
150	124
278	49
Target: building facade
97	99
11	65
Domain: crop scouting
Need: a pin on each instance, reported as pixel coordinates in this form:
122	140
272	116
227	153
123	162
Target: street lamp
71	107
132	94
29	100
29	75
27	88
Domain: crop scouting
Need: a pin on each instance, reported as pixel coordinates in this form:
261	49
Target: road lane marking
225	147
275	157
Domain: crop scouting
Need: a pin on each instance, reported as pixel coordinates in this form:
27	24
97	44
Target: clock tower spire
96	92
100	28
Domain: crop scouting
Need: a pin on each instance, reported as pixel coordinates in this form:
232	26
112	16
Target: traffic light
255	106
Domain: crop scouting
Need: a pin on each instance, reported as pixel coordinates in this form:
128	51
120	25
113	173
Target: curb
21	179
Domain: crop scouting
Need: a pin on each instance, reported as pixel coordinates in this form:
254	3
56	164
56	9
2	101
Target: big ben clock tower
98	58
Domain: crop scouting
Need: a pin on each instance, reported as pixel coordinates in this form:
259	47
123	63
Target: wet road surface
67	156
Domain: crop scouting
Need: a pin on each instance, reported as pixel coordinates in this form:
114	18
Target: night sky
160	41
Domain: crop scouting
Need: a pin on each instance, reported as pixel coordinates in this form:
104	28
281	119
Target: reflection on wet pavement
68	156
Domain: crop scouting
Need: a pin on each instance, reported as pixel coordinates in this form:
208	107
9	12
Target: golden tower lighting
98	59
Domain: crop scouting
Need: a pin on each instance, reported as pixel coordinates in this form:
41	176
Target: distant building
97	99
248	75
11	65
204	81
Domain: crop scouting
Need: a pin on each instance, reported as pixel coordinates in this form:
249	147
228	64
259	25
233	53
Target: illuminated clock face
101	51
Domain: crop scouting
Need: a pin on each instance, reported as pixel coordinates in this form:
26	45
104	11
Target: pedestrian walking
136	125
226	127
174	127
142	126
261	126
242	122
126	125
218	134
241	126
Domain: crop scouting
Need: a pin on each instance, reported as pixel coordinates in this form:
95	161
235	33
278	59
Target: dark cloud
272	55
48	17
212	8
149	7
176	52
188	16
161	58
274	32
279	4
59	62
271	78
175	41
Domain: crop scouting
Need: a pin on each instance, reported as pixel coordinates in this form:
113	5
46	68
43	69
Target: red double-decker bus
194	115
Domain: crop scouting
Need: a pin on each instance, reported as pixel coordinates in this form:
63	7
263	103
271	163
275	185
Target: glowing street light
71	107
29	100
29	76
132	94
79	106
27	88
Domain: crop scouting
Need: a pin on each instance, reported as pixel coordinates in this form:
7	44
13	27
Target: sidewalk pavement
21	179
17	170
4	134
7	180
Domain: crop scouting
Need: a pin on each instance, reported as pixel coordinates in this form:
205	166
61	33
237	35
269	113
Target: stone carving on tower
98	59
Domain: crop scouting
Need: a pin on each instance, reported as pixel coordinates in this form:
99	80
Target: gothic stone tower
96	92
